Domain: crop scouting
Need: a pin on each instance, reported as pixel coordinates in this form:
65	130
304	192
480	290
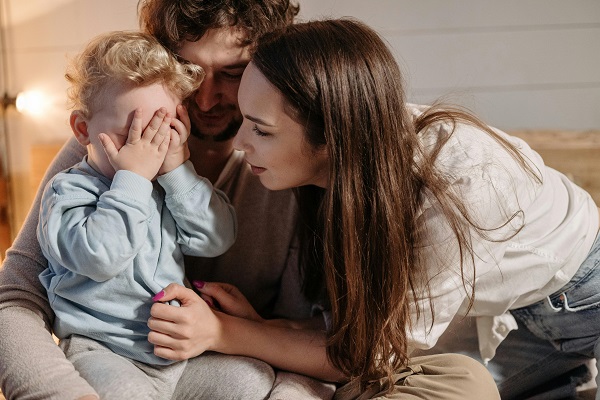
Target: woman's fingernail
198	284
159	295
210	303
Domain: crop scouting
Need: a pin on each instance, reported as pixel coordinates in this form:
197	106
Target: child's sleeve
90	231
206	221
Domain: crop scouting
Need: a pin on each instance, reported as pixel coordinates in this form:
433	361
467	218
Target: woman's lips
256	170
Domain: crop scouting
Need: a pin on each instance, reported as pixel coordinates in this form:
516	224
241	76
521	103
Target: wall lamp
8	101
31	102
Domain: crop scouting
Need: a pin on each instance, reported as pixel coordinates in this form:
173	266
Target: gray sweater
262	263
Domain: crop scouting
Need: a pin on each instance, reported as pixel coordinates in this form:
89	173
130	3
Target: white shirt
558	224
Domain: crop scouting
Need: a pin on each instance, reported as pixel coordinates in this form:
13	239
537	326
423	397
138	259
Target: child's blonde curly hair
130	59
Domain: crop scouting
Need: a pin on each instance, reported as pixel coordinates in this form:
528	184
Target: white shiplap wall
520	64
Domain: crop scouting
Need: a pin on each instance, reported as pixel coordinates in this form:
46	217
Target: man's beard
226	134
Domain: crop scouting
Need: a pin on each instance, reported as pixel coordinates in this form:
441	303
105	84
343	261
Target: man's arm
32	365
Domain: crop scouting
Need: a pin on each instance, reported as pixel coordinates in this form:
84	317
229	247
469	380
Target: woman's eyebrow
257	120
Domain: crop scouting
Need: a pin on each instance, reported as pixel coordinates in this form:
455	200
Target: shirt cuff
131	184
181	180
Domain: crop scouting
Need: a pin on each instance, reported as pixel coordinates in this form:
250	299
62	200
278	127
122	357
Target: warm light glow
32	102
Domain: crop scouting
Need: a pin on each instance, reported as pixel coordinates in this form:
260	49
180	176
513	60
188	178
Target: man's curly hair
174	21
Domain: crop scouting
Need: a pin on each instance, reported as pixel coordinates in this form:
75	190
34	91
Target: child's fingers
184	117
108	145
164	146
135	129
155	124
163	130
175	139
180	128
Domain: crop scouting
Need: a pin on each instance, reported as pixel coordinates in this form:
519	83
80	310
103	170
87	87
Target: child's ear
79	127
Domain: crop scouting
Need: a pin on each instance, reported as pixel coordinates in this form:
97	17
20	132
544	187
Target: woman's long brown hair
360	239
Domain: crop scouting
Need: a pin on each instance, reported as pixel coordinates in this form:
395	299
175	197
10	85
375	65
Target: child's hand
178	152
144	152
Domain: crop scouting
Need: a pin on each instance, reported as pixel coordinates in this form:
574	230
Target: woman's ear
79	127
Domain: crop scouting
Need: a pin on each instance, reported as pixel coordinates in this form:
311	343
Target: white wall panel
551	109
438	15
524	58
493	55
520	64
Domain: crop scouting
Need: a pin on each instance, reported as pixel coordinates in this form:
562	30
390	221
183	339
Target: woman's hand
228	299
183	332
179	333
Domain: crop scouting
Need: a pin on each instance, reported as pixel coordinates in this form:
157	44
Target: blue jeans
569	319
556	336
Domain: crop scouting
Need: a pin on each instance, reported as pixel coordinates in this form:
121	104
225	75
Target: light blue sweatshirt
112	245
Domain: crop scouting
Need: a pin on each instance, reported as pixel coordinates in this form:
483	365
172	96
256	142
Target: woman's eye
259	132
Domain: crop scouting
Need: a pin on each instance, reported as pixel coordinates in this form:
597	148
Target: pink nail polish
159	295
198	284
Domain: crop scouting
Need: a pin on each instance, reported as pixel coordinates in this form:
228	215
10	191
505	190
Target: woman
388	194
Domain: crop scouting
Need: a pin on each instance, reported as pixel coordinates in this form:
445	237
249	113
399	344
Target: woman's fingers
168	347
229	299
178	292
179	333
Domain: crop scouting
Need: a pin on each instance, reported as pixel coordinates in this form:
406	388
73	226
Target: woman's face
274	143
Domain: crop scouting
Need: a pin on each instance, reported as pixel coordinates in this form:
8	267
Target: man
218	36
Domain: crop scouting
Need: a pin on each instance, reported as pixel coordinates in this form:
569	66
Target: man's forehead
233	36
219	47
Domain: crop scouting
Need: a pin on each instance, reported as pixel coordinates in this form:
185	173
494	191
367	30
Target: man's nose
208	95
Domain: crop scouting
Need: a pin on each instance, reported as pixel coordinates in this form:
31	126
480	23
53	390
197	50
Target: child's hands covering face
144	151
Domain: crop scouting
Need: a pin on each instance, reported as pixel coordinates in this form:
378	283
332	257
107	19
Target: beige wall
521	64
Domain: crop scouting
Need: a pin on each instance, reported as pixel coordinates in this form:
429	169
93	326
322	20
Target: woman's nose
240	141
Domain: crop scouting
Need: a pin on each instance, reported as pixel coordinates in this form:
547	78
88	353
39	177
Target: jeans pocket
582	292
569	318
